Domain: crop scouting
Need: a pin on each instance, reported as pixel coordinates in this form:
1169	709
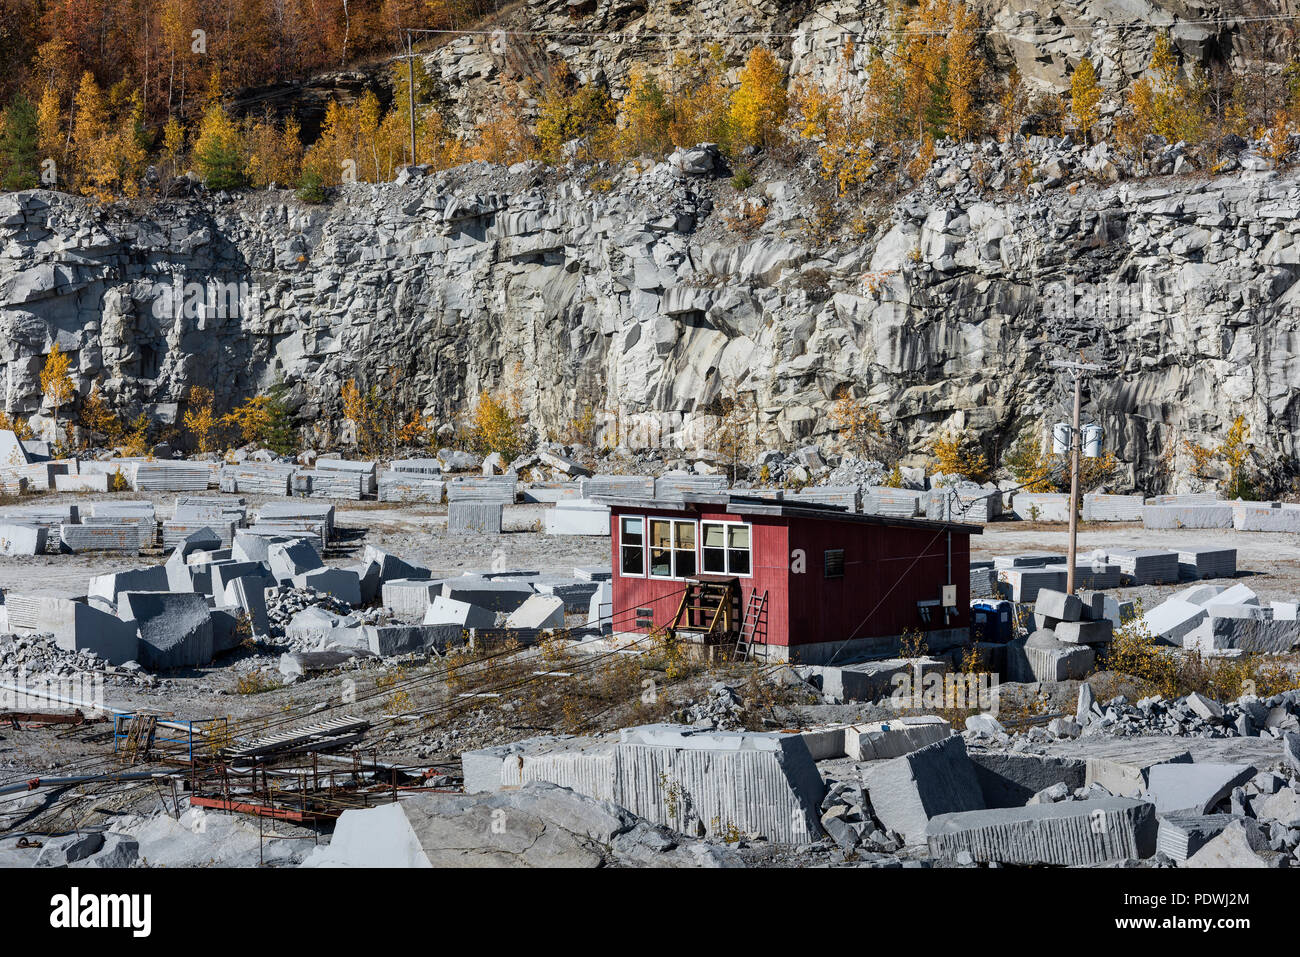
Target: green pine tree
19	159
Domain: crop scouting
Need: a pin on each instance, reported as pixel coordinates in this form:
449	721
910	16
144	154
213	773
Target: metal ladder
755	610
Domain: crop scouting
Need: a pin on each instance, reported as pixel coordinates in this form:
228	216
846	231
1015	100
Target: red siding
767	555
887	571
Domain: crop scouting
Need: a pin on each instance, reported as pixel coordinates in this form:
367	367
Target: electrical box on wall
949	596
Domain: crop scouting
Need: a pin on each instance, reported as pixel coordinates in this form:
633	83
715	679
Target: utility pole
410	89
1077	370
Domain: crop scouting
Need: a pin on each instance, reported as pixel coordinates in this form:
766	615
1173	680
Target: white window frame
726	550
645	540
672	548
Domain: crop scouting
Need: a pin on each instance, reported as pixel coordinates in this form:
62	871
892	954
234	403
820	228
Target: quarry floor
1268	563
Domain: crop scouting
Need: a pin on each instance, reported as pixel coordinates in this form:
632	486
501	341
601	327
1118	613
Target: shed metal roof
753	505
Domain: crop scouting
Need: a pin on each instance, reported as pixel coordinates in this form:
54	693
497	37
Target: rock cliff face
601	40
643	302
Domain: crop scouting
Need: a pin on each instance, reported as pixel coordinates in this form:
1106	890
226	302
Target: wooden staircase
707	610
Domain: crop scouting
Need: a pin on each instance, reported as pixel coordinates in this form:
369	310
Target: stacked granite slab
1023	584
146	529
257	478
189	519
550	492
639	487
1207	562
1145	566
173	476
286	517
845	496
1041	506
965	502
431	467
474	517
398	486
118	537
983	580
328	483
768	494
882	740
1183	498
673	485
39	476
485	489
892	502
1090	574
1027	560
1265	518
1187	516
1098	507
287	530
49	516
364	471
582	516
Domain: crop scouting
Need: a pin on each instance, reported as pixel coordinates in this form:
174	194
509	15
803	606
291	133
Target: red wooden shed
789	581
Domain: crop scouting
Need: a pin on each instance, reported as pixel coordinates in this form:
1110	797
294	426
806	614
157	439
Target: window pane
633	560
633	528
713	535
660	562
739	558
685	563
738	536
715	560
685	535
660	534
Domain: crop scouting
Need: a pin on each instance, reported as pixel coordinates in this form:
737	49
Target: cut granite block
907	791
1068	834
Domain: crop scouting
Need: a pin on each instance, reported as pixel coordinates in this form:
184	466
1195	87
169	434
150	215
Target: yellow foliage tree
274	153
837	119
958	453
495	426
645	117
200	420
1234	452
56	381
759	105
98	419
137	437
1085	97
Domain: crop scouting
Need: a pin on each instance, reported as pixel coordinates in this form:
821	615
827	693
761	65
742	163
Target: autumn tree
644	117
1085	97
56	381
96	418
274	152
1234	452
219	150
495	426
201	421
958	453
570	111
759	105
